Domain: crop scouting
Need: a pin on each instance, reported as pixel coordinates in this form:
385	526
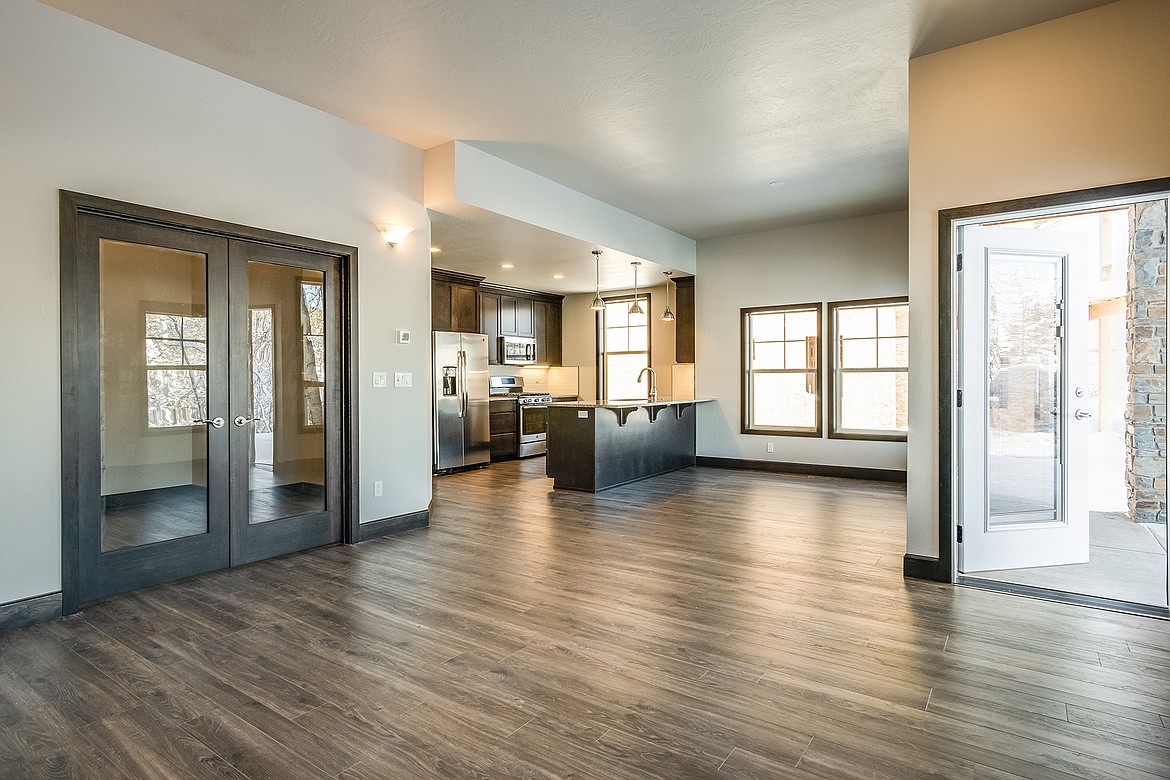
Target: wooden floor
703	624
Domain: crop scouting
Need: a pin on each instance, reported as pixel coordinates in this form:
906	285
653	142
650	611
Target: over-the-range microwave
517	350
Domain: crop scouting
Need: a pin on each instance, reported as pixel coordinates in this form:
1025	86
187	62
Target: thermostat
404	337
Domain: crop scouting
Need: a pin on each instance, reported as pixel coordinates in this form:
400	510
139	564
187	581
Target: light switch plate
379	379
403	336
403	380
583	414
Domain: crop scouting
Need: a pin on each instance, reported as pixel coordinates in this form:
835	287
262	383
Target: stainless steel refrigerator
462	435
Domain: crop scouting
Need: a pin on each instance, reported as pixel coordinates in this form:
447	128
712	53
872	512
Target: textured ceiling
679	112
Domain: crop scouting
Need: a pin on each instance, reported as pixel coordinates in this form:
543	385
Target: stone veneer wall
1145	413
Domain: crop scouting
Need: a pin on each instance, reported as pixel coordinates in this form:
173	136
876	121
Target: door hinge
958	398
959	534
959	262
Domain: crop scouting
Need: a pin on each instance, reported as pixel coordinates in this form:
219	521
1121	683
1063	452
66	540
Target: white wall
579	338
88	110
1079	102
847	259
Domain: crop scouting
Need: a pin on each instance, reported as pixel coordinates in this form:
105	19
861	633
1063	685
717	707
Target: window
870	376
781	372
313	333
623	349
176	369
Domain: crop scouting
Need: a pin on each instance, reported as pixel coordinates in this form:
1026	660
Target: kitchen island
597	446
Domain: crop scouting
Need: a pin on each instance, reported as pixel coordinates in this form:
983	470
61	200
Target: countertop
630	404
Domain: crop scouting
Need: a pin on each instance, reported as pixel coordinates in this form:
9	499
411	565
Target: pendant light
667	314
636	307
598	303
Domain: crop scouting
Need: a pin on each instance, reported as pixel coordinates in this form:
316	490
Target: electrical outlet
379	379
377	488
771	447
403	380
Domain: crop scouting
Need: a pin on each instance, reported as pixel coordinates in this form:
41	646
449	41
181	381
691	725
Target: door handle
1081	414
462	383
241	420
214	422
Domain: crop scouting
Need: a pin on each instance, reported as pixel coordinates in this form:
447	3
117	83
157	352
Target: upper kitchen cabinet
489	323
455	301
516	317
547	321
507	311
684	323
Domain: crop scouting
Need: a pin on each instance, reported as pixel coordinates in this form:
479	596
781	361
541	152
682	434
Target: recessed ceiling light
776	183
436	249
506	265
558	276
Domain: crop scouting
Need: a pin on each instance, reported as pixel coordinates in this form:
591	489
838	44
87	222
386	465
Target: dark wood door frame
941	568
75	374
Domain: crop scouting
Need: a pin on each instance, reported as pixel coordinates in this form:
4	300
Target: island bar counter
596	446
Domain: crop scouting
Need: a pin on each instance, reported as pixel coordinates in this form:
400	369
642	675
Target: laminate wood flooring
702	624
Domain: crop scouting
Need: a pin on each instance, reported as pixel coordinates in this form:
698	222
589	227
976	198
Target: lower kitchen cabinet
503	419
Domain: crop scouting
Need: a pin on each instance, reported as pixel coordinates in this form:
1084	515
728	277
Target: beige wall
89	110
1078	102
846	259
579	338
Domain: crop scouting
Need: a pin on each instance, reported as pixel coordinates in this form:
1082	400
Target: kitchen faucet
652	396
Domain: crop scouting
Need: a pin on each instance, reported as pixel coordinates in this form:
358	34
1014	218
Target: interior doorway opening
1060	341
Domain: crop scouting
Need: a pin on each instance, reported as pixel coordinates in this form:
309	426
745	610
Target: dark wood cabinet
507	316
516	316
455	301
503	422
546	317
489	324
507	311
684	320
525	322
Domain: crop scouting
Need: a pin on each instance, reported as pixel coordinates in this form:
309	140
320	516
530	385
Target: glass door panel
146	348
153	393
287	350
1023	358
285	400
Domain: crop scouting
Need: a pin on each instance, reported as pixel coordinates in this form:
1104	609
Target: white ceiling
679	112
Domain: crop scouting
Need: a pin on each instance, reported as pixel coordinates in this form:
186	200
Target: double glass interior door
209	403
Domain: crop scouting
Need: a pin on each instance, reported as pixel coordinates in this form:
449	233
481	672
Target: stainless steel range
533	426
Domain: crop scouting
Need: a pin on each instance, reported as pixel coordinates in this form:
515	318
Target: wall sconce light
392	234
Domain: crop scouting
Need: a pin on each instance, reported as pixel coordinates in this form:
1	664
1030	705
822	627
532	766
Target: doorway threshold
1077	599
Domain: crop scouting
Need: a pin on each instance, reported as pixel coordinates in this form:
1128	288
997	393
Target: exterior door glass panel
1023	359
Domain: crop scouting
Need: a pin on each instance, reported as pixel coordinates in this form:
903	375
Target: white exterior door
1022	334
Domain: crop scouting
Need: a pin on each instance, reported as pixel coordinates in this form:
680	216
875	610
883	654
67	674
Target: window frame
745	373
168	309
644	297
835	385
306	425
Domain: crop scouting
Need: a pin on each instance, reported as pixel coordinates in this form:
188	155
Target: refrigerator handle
462	383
